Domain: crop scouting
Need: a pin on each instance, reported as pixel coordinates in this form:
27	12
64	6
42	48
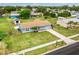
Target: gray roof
71	19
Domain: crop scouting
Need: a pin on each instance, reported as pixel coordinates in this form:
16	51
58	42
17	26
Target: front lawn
19	41
45	49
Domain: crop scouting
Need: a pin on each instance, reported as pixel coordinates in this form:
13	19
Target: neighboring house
28	26
74	13
64	21
14	14
34	13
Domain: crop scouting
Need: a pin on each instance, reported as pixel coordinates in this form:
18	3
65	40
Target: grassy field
66	32
76	38
45	49
21	41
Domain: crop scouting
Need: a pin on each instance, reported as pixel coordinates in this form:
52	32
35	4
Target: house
34	13
14	14
74	13
40	25
64	21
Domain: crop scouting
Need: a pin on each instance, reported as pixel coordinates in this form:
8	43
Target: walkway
37	47
62	37
73	36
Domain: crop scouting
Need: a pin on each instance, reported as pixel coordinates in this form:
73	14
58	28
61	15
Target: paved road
62	37
72	49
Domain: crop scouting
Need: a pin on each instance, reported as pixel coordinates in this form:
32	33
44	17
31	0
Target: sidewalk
36	47
43	45
62	37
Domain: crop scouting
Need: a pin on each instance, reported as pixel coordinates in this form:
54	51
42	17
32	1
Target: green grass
5	24
76	38
45	49
18	41
62	30
2	19
21	41
66	32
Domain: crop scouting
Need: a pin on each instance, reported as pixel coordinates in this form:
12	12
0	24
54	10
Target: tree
64	14
46	14
41	9
35	28
2	11
25	14
52	14
8	9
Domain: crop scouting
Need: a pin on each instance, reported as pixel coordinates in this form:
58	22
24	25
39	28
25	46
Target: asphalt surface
72	49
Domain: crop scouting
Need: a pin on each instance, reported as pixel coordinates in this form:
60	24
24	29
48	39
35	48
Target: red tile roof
35	23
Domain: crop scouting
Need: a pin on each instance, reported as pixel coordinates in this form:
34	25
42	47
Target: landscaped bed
45	49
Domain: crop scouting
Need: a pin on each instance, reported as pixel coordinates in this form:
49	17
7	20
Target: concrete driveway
62	37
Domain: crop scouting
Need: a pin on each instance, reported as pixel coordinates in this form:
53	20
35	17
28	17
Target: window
27	29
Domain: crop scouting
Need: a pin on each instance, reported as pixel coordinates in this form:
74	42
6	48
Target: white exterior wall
45	27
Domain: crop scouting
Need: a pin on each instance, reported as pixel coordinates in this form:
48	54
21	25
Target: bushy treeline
26	11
